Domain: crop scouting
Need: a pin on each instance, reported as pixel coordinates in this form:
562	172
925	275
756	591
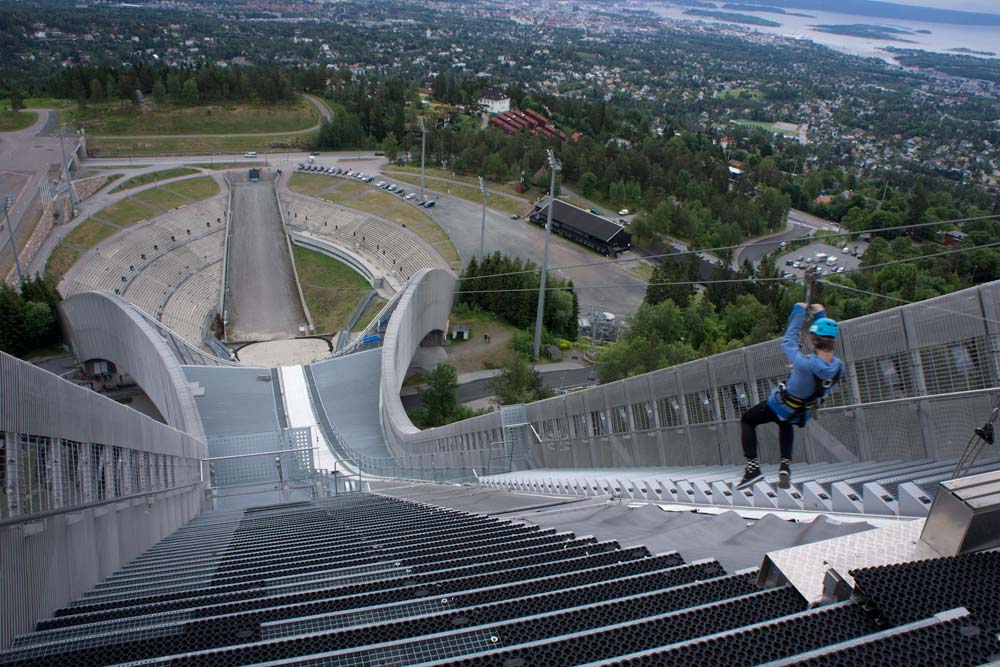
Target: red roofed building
528	120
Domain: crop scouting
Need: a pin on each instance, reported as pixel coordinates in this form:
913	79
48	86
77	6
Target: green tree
587	184
12	334
96	91
159	92
37	322
189	92
669	271
16	100
390	146
174	91
518	382
440	396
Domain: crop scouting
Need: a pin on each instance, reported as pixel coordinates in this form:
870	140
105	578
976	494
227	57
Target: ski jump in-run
792	402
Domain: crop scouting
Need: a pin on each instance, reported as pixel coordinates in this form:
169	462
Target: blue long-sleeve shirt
805	368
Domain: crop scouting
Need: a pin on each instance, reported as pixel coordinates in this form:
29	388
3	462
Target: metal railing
63	446
919	378
41	475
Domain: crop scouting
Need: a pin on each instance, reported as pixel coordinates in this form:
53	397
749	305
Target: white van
831	260
250	154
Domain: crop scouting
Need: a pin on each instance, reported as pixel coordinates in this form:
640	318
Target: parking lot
828	258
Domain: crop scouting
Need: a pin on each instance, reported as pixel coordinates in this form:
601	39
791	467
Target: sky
991	6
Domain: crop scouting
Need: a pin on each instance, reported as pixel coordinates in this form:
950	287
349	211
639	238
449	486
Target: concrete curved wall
424	306
101	325
919	379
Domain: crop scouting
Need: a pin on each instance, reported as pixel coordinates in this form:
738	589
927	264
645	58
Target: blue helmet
824	326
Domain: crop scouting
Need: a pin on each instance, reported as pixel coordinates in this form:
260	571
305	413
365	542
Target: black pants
763	414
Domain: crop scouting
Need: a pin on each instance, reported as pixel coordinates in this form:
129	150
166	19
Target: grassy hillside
111	119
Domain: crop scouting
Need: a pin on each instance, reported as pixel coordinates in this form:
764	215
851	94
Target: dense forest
508	288
675	325
27	318
179	85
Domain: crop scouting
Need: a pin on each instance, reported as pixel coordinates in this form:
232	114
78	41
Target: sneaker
750	477
784	476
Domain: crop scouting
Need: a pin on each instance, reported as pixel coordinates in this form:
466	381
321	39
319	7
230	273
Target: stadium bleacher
368	578
169	266
396	251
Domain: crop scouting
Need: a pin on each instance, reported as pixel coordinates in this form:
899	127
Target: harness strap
800	405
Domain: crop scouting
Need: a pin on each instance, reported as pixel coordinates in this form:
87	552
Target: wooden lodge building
583	227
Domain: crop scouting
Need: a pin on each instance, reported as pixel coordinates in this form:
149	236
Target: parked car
846	250
429	204
595	211
788	262
410	196
624	211
380	184
515	216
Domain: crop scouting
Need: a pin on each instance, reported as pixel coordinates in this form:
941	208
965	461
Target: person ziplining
792	402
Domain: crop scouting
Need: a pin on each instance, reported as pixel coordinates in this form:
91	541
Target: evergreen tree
669	271
96	91
189	92
159	92
174	88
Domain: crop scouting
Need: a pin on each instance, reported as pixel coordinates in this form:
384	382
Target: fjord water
942	37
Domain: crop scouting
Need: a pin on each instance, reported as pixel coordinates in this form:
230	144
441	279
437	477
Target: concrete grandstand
293	514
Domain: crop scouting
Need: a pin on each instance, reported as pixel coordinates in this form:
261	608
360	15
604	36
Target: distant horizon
984	6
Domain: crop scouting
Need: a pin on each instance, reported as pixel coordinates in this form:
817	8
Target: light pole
482	233
423	152
554	166
13	246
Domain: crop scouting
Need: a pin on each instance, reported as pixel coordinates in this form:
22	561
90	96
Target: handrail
35	516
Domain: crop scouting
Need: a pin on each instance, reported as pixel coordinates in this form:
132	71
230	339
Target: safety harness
801	406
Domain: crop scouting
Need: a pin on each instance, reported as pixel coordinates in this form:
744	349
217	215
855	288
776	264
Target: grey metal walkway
887	488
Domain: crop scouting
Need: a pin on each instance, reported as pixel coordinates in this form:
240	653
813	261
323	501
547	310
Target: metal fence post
13	486
56	475
919	385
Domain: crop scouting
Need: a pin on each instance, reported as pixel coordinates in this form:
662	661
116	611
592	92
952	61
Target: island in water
866	31
733	18
740	7
972	52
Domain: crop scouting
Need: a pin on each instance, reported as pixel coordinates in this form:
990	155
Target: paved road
30	153
263	302
478	389
289	160
800	225
608	286
324	112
